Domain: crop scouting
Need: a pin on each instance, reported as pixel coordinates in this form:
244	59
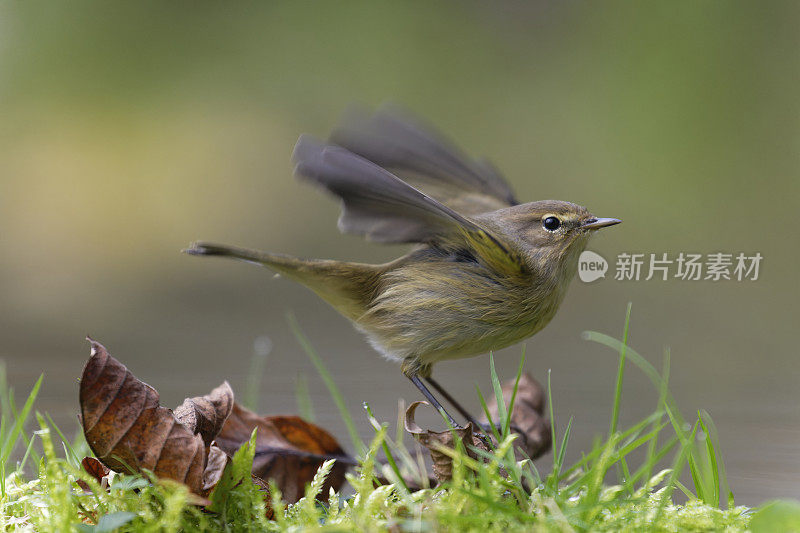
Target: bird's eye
551	223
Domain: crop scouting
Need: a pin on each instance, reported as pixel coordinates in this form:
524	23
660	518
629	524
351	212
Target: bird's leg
484	426
432	399
452	401
413	369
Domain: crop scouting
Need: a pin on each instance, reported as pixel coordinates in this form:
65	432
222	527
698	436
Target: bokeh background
129	129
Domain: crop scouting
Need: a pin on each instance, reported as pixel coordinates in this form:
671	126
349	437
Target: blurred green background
129	129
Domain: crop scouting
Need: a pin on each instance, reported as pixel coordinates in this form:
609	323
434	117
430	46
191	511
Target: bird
484	271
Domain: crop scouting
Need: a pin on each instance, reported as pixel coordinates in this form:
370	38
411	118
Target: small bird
485	271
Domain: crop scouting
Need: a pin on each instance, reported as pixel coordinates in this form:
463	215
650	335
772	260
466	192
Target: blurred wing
384	208
393	139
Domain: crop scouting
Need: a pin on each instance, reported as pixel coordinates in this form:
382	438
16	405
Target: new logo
591	266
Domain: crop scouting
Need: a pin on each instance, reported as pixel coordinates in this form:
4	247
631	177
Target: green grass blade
629	434
5	393
507	427
554	477
642	363
486	412
684	489
28	452
712	460
22	435
645	471
552	416
262	346
662	398
336	394
677	467
498	394
68	449
723	477
385	445
647	438
562	451
687	440
303	398
13	434
620	373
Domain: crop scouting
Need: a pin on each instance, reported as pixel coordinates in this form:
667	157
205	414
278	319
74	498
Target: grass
602	491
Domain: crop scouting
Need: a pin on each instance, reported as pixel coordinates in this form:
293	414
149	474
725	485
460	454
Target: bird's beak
597	223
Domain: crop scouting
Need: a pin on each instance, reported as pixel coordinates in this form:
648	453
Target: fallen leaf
206	415
527	415
129	432
433	441
217	459
288	450
97	470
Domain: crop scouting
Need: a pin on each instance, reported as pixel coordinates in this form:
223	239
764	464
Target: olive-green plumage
486	271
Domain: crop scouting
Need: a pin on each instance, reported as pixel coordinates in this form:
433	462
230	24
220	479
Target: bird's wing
395	140
382	207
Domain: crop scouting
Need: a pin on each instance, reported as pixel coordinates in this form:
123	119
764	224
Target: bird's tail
348	287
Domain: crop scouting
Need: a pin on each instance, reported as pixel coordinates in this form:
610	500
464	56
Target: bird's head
549	231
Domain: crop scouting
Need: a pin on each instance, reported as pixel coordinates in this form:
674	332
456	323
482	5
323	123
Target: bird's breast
447	312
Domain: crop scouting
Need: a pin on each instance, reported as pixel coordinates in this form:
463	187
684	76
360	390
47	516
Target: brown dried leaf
128	430
97	470
432	440
205	415
217	461
527	416
289	450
